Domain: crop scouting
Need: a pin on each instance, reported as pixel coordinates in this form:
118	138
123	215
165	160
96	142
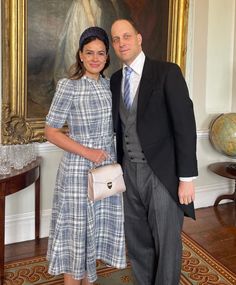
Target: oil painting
45	41
54	28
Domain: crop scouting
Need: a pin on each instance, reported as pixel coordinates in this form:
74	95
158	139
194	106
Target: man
156	143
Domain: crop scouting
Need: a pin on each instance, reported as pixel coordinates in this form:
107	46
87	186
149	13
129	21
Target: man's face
126	41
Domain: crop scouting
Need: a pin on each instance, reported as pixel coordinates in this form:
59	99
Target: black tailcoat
165	124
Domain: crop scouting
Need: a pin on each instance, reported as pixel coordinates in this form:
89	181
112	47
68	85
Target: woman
83	231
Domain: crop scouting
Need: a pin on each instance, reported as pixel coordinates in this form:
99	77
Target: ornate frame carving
16	127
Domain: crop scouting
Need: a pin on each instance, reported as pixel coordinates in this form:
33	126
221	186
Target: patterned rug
198	268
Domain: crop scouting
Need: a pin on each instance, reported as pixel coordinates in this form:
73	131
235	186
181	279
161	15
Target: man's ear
140	39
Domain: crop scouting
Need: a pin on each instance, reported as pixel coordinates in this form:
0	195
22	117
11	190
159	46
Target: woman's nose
95	56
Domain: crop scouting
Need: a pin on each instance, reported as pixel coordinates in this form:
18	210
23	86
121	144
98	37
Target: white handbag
105	181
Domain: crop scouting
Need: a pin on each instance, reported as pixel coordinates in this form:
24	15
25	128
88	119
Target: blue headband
95	32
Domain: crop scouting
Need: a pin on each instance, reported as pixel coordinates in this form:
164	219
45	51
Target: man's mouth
124	50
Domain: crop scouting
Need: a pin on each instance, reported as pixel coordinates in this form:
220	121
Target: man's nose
121	42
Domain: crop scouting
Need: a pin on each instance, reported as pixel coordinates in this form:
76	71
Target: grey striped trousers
153	224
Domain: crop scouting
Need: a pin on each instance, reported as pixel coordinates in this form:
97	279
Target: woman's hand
95	155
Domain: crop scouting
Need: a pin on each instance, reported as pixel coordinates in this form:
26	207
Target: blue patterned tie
127	97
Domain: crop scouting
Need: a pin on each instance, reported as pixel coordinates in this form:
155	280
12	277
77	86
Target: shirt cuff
187	179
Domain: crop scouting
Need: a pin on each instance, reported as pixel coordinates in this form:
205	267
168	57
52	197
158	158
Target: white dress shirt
135	77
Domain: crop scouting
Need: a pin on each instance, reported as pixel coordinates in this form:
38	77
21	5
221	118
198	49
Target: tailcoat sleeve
180	108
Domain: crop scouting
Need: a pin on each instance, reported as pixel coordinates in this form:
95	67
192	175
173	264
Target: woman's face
94	58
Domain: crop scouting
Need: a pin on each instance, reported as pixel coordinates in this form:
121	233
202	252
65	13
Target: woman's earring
81	60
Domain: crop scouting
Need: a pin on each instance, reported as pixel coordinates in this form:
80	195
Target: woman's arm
61	140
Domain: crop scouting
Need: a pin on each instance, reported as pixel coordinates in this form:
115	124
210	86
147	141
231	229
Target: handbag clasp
109	185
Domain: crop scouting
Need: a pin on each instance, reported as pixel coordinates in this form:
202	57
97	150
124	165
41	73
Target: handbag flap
106	173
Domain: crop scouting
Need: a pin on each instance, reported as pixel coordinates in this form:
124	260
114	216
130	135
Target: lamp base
231	168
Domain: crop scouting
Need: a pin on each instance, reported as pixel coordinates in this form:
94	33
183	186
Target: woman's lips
94	65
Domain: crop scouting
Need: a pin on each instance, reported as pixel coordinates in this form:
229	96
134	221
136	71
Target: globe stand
231	168
222	136
223	169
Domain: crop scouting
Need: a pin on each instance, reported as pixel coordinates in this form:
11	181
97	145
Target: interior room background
211	78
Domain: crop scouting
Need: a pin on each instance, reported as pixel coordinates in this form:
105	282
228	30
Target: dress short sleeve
61	104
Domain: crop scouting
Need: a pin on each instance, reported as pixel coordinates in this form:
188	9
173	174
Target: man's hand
186	192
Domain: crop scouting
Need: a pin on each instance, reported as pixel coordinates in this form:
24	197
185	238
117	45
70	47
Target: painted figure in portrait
54	27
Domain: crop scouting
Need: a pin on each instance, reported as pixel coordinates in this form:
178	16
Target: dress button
129	150
143	158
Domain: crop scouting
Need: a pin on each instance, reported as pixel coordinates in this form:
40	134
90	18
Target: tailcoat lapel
146	87
116	93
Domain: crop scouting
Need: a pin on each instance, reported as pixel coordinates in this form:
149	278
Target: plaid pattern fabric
82	231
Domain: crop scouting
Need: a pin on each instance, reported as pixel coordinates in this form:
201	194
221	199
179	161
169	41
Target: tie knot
128	70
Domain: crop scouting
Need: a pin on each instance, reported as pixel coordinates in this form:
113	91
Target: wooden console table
11	183
220	168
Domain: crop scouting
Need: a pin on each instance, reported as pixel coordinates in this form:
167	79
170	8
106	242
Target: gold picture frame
16	126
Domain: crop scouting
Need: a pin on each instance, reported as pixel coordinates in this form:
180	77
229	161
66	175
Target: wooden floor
214	229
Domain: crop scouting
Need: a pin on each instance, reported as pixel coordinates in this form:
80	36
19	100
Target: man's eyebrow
125	34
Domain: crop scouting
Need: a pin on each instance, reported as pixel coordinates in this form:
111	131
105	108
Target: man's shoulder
116	75
155	68
161	64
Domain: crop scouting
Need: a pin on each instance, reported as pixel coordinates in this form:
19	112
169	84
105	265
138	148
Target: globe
223	134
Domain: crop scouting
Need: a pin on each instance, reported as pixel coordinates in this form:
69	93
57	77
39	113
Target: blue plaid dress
82	231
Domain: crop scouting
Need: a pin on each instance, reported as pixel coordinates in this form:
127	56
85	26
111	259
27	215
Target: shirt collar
137	64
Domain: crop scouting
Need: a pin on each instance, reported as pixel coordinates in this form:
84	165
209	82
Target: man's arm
180	111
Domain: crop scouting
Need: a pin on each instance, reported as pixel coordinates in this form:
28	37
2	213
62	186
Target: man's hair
132	23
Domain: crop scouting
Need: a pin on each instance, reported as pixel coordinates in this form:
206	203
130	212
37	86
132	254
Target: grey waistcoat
131	144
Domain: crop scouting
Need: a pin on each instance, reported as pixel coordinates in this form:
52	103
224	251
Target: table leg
2	237
227	196
37	208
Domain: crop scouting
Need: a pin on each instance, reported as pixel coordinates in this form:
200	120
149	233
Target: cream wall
211	78
213	59
234	70
213	56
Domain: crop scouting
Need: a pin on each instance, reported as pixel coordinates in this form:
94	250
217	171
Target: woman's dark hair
77	70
